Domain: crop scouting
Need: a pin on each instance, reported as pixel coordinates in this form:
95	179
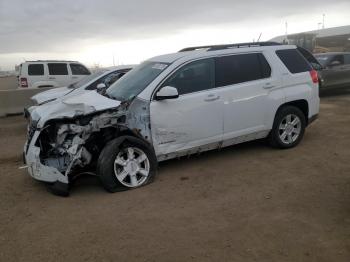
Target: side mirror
100	86
167	92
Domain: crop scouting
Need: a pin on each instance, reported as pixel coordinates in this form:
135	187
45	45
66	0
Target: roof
120	67
64	61
327	32
204	51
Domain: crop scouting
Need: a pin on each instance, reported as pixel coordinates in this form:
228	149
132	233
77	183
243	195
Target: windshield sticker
159	66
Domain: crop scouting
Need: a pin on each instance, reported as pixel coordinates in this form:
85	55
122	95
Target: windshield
135	81
87	79
323	59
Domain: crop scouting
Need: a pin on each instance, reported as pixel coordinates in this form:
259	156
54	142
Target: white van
39	74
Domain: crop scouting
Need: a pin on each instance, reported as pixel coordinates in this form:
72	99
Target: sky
113	32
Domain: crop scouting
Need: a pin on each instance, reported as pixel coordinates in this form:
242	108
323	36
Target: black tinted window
293	60
338	59
193	77
108	80
36	70
236	69
78	69
58	69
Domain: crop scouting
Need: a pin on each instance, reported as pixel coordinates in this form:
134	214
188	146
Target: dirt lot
244	203
8	83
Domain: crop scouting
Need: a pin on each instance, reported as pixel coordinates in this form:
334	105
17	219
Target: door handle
211	98
52	78
74	77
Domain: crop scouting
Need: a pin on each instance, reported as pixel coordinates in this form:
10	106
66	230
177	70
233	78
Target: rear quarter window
36	69
294	61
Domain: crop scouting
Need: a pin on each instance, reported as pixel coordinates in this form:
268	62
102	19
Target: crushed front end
61	148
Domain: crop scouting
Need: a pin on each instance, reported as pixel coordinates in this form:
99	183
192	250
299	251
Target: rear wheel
288	128
126	163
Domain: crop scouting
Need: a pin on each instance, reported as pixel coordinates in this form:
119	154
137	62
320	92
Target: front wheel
288	128
126	163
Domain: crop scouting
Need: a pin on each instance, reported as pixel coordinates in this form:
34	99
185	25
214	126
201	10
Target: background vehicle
101	79
50	73
198	99
336	69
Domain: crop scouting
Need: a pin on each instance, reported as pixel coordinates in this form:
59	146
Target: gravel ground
244	203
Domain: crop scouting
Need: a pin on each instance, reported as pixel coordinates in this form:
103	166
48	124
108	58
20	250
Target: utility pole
323	17
286	32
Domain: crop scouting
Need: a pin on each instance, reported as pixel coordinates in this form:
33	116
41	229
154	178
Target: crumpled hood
72	106
50	94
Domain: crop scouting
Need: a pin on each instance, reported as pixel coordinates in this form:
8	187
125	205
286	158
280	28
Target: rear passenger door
58	74
245	81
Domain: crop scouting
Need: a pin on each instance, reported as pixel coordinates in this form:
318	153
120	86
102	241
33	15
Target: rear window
78	69
294	61
36	70
58	69
236	69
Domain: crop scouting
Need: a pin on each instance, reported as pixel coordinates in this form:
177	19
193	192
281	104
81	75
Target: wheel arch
301	104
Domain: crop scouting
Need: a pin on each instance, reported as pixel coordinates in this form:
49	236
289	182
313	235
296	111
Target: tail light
314	76
24	82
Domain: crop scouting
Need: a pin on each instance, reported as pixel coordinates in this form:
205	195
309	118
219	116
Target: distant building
322	40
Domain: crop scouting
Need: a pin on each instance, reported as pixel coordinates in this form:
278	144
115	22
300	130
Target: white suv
38	74
198	99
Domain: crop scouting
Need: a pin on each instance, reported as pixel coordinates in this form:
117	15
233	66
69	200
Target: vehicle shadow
87	183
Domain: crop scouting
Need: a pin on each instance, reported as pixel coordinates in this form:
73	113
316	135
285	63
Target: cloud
61	25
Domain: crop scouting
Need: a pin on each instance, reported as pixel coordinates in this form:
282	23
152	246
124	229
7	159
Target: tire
119	171
287	132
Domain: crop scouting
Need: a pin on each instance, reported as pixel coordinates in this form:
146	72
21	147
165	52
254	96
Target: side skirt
212	146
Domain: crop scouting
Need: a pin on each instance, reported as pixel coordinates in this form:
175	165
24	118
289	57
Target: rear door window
237	69
36	69
58	68
78	69
294	61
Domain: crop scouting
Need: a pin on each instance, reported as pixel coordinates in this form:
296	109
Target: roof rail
220	47
63	61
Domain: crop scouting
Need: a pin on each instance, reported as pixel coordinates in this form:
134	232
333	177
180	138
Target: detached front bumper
36	169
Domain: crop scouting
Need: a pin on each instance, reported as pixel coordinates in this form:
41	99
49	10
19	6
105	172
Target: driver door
193	119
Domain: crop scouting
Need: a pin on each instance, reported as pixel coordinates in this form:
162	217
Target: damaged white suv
198	99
